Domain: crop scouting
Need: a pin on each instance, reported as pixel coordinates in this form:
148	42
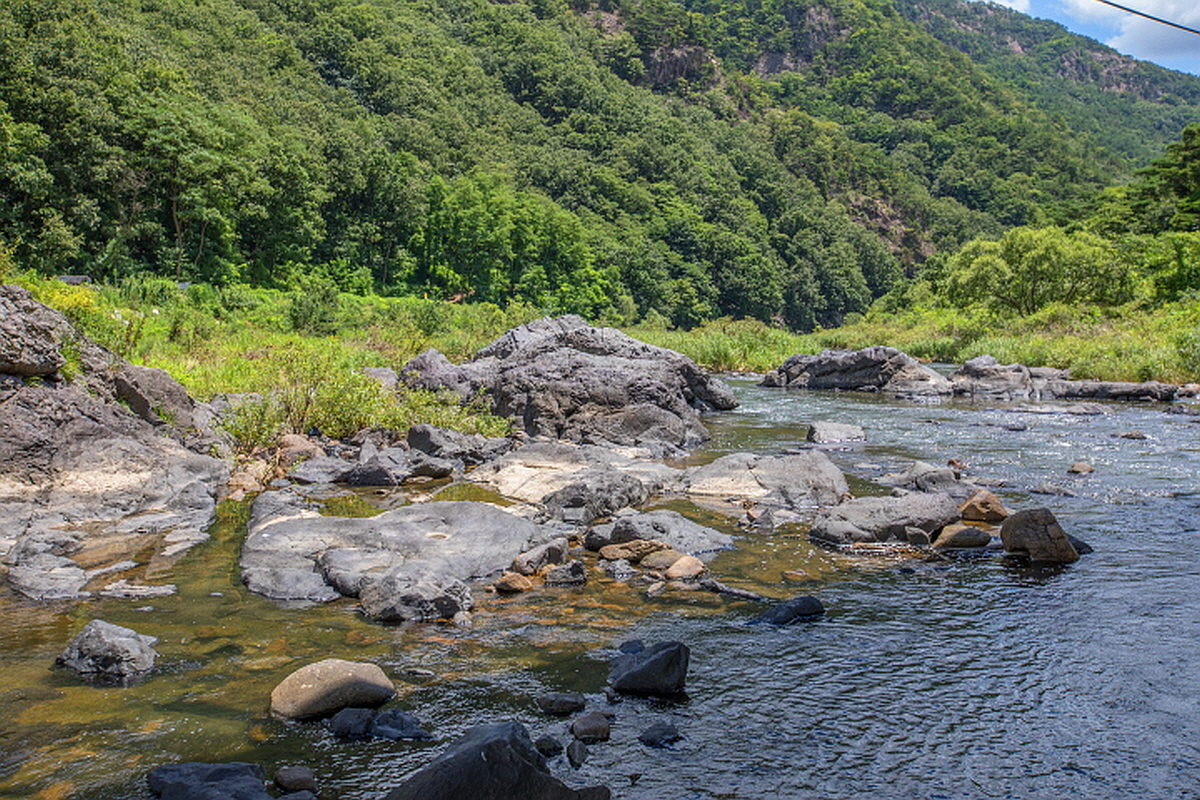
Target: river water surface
967	678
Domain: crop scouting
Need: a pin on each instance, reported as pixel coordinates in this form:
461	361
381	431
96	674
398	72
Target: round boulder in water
798	608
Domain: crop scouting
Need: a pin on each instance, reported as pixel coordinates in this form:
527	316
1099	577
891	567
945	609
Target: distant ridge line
1150	16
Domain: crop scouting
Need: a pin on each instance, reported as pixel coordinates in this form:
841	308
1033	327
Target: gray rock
573	573
821	432
565	379
800	481
397	725
552	552
109	651
322	469
577	753
660	734
922	477
471	449
789	611
1036	535
591	727
881	519
387	378
323	688
593	494
491	762
620	570
402	597
956	536
872	369
352	723
672	529
561	703
200	781
292	778
548	746
30	343
660	669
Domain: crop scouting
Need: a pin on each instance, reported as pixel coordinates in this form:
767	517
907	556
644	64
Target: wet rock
417	597
1052	489
577	753
660	669
325	687
561	703
882	519
201	781
1081	468
296	779
1035	534
660	734
491	762
661	560
983	506
532	561
801	480
872	369
573	573
798	608
672	529
962	536
832	432
397	725
109	651
471	449
301	795
594	494
620	570
986	378
512	583
548	746
352	723
591	727
916	536
562	378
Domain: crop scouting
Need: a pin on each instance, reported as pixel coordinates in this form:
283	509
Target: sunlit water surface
960	679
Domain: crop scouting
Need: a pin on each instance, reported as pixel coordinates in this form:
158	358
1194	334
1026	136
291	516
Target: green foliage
315	305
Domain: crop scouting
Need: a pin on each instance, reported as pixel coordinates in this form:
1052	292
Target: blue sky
1141	38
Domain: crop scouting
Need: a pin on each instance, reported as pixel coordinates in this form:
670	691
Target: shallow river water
960	679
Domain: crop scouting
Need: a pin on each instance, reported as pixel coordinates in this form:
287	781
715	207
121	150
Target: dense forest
790	161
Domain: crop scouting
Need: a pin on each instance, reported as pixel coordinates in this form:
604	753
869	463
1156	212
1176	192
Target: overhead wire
1150	16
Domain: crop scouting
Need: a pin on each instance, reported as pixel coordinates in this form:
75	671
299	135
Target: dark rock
577	753
400	597
673	529
352	723
660	734
594	494
395	724
471	449
200	781
323	688
573	573
962	536
1035	534
564	379
561	703
532	561
109	651
322	469
872	369
715	586
591	727
296	779
304	794
389	467
548	746
30	335
490	762
881	519
660	669
789	611
832	432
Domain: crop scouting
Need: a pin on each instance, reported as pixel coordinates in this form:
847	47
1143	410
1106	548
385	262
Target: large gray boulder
491	762
800	481
986	379
564	379
107	651
872	369
883	519
195	780
672	529
403	564
83	477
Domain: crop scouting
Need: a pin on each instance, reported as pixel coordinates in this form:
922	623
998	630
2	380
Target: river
967	678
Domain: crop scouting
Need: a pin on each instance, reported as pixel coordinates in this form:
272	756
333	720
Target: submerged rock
109	651
491	762
200	781
798	608
564	379
660	734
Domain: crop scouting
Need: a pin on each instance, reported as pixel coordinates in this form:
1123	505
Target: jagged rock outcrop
986	378
95	465
564	379
872	369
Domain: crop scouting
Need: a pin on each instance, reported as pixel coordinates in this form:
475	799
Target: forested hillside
788	160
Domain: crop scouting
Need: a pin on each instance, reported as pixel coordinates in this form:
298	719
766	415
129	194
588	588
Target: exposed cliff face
93	469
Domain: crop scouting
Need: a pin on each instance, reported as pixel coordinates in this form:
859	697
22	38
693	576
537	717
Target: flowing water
969	678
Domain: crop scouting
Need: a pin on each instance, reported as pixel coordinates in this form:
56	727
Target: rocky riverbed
541	556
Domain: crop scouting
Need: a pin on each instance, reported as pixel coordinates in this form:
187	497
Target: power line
1151	16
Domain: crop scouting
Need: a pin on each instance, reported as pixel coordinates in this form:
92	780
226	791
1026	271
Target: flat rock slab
669	528
293	553
326	687
805	480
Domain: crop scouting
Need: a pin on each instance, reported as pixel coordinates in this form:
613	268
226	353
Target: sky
1141	38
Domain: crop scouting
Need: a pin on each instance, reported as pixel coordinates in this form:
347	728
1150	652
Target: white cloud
1145	38
1019	5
